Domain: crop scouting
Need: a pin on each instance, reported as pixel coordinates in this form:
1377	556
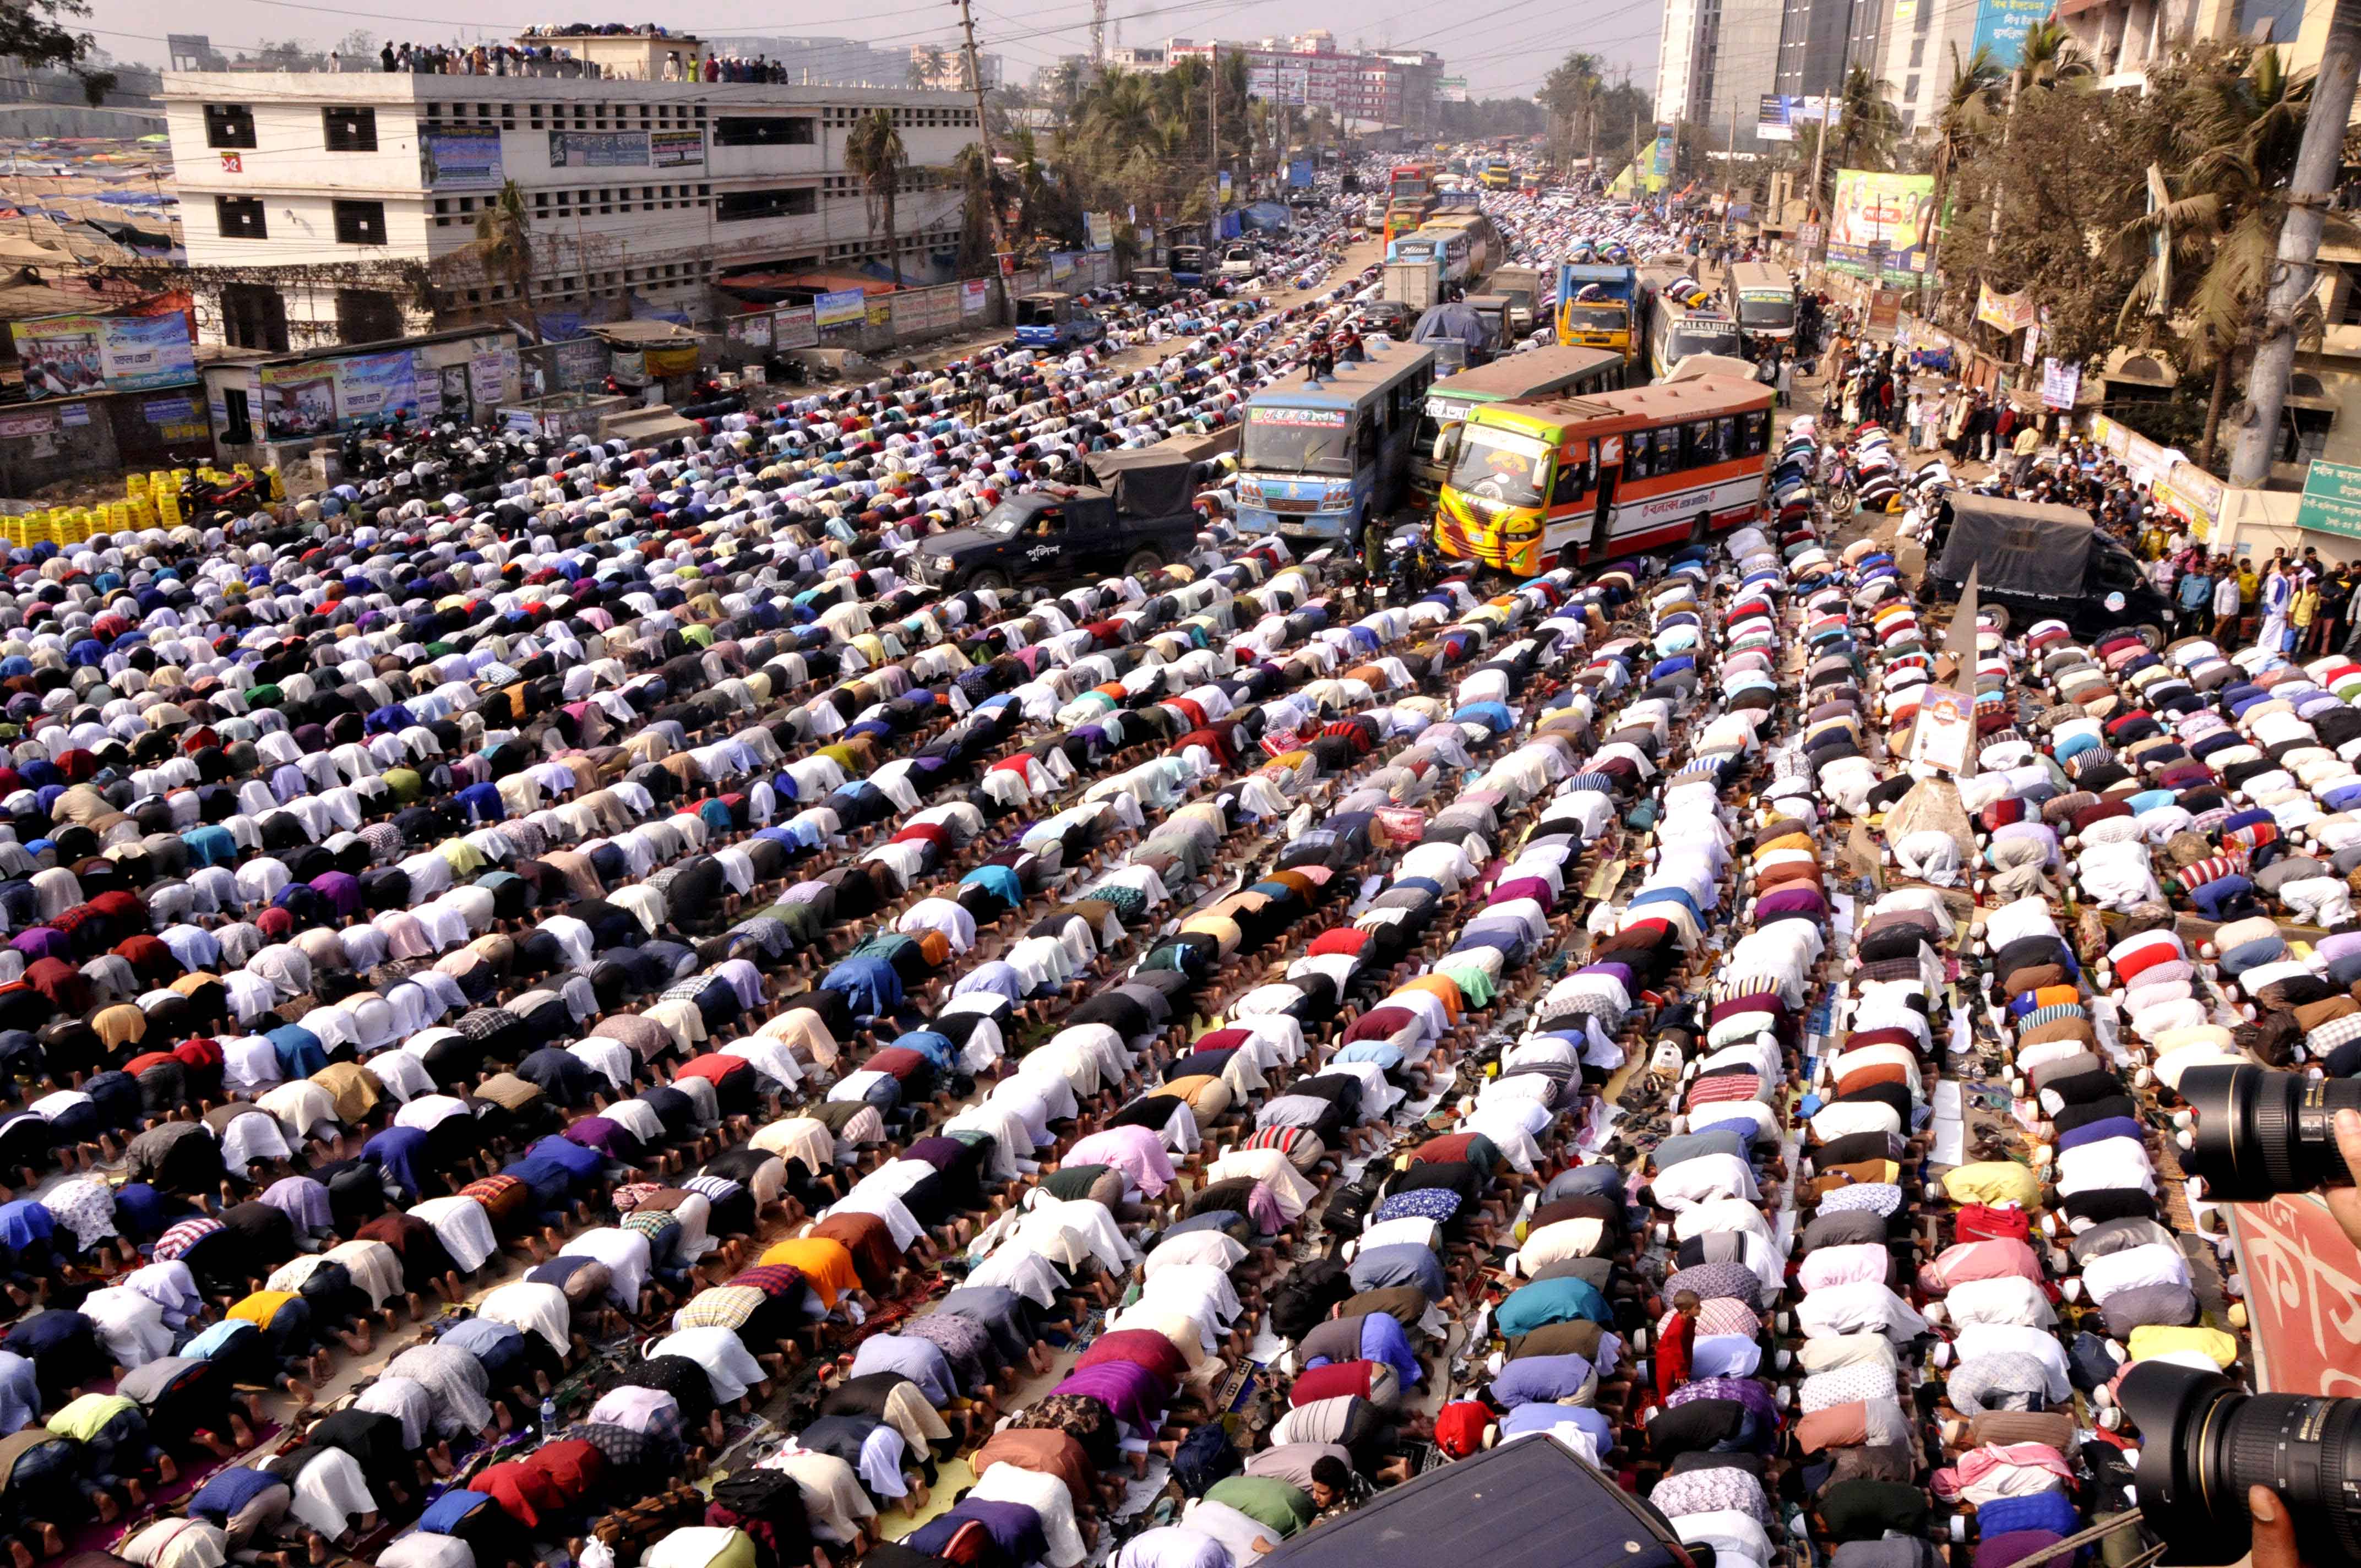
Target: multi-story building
1387	87
322	208
1821	41
1715	60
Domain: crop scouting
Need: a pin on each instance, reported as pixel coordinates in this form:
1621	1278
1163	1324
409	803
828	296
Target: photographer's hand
2344	1202
2274	1529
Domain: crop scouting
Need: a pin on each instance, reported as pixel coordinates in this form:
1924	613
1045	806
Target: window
1757	433
239	217
229	124
367	316
349	130
1572	480
764	130
1725	439
2349	312
783	203
1639	455
1695	443
360	223
254	315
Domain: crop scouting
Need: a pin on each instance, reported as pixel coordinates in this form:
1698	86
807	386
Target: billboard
842	307
460	160
1779	113
1881	225
598	150
321	397
70	357
677	149
2001	27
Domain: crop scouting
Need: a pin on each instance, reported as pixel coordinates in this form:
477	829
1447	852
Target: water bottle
548	1413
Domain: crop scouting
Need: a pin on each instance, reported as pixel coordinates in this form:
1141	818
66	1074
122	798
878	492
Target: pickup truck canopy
1147	481
2023	547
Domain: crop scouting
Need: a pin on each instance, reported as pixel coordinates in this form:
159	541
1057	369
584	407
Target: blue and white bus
1319	460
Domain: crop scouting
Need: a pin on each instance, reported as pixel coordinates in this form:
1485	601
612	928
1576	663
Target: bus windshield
1297	441
1611	316
1501	465
1771	313
1687	337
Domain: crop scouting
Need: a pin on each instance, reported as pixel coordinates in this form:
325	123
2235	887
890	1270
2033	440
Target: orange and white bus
1571	480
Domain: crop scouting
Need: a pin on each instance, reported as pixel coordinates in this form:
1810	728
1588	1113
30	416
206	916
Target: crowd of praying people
550	965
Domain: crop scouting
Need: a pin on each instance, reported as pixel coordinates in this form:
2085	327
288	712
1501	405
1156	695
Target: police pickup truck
1136	519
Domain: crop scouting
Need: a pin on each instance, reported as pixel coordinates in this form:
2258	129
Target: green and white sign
2331	499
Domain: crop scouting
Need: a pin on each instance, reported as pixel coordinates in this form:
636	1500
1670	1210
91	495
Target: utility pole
1729	171
2316	163
1213	136
1001	255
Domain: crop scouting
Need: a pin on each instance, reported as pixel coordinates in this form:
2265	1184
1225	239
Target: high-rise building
1821	41
1714	61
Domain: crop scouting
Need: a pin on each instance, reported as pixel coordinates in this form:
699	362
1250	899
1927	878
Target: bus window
1639	455
1756	433
1572	480
1725	439
1697	444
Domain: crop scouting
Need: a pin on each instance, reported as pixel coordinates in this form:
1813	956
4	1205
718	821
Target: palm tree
873	150
1971	110
976	178
1869	126
2236	128
2050	57
504	245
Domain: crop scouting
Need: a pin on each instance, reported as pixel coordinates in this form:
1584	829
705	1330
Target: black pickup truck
1137	518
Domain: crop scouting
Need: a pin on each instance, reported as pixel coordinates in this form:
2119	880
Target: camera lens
2260	1133
2204	1443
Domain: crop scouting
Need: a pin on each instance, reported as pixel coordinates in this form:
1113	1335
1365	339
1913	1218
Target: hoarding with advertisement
70	357
322	396
465	158
2001	27
676	149
598	150
1881	225
842	307
794	328
1779	113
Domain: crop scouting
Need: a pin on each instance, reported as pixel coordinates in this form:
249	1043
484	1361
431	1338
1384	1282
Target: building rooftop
361	88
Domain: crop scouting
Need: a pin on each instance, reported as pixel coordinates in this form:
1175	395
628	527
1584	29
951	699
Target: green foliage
874	151
37	33
504	245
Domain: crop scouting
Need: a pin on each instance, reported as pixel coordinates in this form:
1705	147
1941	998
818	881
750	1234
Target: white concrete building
341	208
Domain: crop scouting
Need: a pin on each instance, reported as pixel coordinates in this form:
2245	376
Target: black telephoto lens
2203	1442
2261	1133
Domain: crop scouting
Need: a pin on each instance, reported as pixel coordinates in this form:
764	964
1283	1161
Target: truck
1418	284
1525	289
1139	515
1598	306
2037	560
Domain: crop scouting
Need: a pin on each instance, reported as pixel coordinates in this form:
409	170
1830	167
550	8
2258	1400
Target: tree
874	151
2237	120
32	33
360	44
980	183
929	65
1970	111
504	245
1868	125
2050	57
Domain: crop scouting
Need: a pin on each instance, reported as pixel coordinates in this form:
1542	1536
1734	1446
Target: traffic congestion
1393	893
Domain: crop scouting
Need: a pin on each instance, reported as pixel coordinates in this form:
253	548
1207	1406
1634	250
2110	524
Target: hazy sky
1507	55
